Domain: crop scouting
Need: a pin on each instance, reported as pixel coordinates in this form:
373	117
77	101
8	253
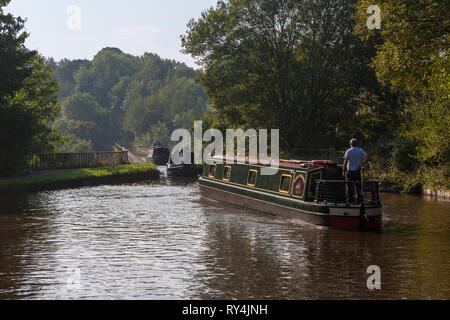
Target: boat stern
356	218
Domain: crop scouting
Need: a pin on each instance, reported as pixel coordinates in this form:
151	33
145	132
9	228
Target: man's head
353	143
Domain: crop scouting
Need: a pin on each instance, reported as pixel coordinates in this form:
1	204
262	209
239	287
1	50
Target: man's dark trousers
353	176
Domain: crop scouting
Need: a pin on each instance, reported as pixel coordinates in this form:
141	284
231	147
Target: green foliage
84	118
15	136
435	178
157	131
292	65
64	73
131	100
28	102
161	132
412	60
404	154
430	120
414	36
108	66
15	59
83	107
74	144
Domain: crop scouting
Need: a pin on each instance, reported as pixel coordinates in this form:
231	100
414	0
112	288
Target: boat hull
183	171
159	161
347	218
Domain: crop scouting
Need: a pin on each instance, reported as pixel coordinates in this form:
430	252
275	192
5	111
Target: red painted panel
349	223
374	223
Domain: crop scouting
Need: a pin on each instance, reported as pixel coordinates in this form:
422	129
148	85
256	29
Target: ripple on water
162	241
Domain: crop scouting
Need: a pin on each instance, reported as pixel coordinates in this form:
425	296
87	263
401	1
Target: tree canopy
120	98
293	65
28	102
412	60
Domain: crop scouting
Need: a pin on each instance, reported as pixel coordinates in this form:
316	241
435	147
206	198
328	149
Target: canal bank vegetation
316	71
60	179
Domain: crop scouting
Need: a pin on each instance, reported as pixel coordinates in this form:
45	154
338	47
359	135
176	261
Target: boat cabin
318	181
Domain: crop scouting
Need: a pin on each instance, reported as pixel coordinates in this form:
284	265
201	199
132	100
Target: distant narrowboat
182	170
158	156
310	191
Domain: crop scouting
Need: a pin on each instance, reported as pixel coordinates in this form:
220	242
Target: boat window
251	180
285	183
212	171
227	173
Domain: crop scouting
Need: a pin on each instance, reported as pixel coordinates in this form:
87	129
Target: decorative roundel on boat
299	185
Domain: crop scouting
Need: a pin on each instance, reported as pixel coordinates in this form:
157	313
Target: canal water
160	240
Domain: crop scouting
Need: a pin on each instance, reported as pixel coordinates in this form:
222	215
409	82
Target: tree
412	59
83	107
27	116
414	41
158	131
117	97
83	117
181	97
287	64
76	145
15	59
64	72
108	66
28	102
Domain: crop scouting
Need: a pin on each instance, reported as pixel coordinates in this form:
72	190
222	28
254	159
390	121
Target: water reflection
162	241
248	257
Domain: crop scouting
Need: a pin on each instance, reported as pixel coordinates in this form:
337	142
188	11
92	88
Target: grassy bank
80	178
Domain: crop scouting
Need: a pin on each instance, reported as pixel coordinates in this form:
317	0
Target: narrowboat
309	191
182	170
158	156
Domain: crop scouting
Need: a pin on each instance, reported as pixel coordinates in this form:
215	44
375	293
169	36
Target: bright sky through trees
134	26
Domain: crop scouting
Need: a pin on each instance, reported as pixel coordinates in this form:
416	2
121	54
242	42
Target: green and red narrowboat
310	191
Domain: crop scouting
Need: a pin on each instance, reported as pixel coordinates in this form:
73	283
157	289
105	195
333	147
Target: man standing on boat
157	144
354	159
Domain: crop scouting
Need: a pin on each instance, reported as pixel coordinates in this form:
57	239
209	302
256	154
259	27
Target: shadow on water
23	224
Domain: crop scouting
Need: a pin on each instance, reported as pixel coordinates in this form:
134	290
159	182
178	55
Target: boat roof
293	164
158	148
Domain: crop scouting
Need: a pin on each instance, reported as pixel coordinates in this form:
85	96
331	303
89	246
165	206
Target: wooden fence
44	161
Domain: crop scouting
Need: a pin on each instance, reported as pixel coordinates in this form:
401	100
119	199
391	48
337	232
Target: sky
78	29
